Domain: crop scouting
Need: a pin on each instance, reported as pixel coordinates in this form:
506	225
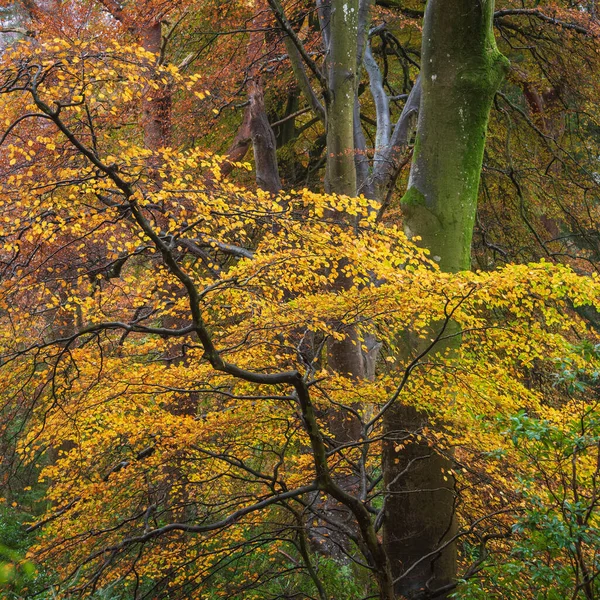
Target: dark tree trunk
461	71
261	132
263	141
156	105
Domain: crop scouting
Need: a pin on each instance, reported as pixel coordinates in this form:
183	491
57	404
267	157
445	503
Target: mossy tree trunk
461	70
341	77
344	356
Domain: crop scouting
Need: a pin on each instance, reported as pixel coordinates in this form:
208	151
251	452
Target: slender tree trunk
340	34
261	132
344	356
343	27
462	69
156	105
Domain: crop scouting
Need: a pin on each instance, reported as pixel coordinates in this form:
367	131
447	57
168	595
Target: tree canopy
299	299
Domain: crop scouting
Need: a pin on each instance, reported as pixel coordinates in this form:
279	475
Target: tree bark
390	158
261	132
344	356
156	105
461	71
263	141
240	145
342	76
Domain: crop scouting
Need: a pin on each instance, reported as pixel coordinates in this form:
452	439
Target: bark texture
261	132
240	145
342	31
263	141
461	71
156	105
342	79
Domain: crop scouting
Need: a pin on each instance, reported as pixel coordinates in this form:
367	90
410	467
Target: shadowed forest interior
299	299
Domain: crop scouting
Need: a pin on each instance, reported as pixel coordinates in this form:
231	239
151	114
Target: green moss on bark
461	71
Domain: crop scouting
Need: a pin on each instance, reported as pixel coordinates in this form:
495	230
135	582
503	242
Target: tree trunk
344	356
263	141
343	27
156	105
240	145
261	132
461	71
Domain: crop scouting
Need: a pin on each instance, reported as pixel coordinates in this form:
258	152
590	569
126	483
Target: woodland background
299	299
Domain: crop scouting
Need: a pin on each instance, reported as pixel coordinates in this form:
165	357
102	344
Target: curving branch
289	30
393	157
324	481
382	103
541	16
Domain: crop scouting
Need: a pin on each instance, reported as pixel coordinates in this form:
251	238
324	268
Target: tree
193	401
462	70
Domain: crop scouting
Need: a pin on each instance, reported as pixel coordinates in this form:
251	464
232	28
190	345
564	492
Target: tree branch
286	26
538	14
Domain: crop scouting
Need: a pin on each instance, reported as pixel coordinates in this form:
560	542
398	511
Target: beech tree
187	357
461	72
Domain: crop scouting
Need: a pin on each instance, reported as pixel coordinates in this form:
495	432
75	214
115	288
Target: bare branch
538	14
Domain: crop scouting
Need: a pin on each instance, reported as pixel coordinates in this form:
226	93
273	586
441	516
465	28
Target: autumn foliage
166	388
